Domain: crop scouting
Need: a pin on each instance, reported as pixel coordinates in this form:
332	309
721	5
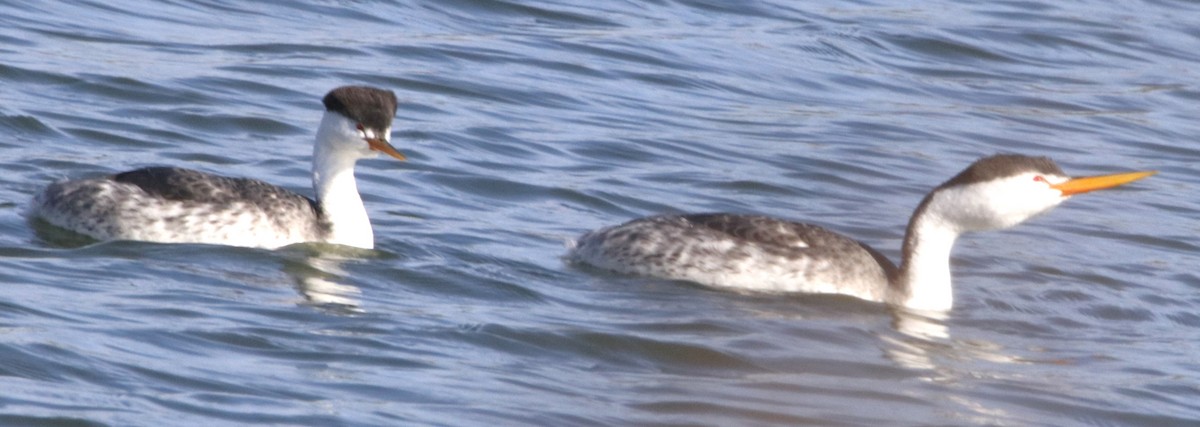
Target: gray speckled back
181	205
743	251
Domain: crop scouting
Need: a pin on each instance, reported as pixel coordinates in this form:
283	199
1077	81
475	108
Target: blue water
527	123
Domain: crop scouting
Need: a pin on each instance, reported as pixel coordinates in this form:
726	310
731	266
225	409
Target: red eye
359	126
1039	178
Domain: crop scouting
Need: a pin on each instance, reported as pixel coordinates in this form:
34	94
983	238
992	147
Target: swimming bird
174	205
770	254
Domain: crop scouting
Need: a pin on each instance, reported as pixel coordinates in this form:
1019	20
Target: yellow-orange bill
1093	183
379	144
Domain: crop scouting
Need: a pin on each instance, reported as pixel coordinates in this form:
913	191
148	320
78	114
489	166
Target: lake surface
527	123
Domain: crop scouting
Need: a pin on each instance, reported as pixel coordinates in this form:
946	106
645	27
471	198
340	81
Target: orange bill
1093	183
380	144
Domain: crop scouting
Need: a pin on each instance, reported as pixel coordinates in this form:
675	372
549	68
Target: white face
1000	203
345	135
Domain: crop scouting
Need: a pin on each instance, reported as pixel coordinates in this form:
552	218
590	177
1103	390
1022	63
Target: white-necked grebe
769	254
163	204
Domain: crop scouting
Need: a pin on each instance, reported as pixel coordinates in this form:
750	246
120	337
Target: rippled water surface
527	123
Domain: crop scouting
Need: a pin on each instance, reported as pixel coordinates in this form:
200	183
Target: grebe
163	204
769	254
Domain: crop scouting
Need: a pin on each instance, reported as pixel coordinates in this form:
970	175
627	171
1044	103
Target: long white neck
924	281
337	191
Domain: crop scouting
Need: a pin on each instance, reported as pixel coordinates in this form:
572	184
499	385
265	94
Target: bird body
182	206
739	251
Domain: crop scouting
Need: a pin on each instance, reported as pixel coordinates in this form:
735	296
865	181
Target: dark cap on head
1003	166
370	107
